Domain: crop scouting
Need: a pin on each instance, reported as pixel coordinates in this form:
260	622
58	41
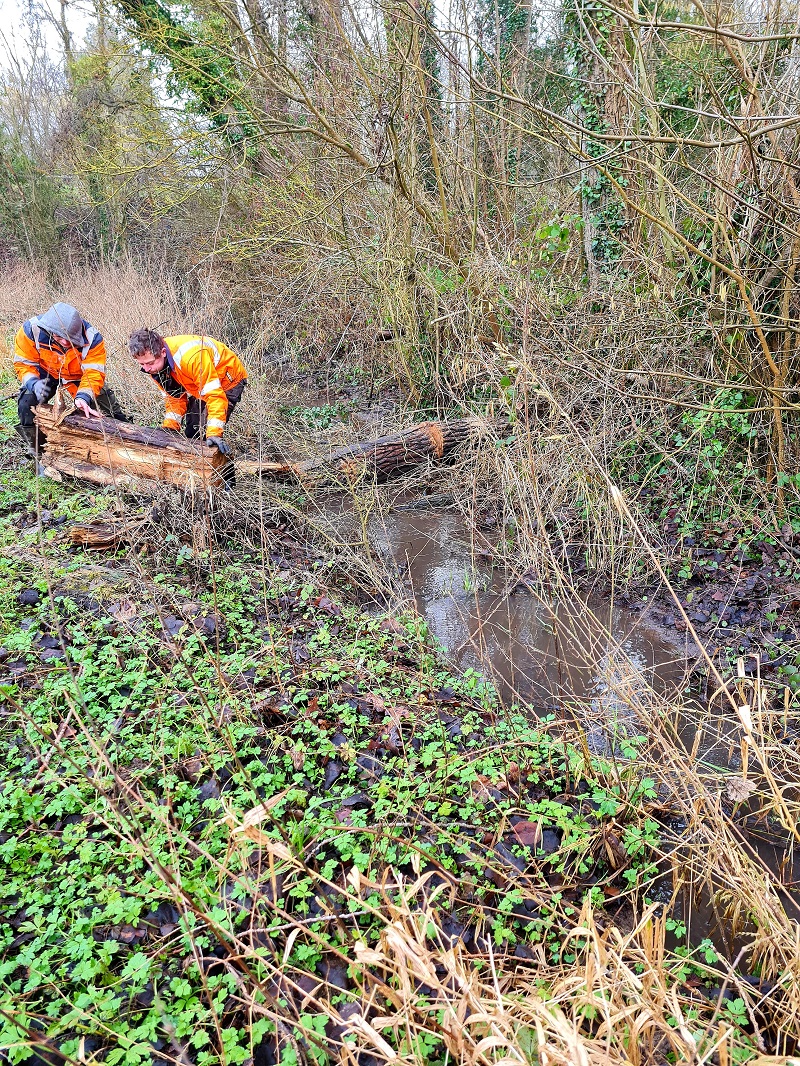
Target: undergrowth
244	820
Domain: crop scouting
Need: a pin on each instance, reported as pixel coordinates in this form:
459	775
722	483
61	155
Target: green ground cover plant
223	782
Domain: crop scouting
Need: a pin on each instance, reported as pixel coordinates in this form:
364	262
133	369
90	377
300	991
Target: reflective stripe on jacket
36	352
204	368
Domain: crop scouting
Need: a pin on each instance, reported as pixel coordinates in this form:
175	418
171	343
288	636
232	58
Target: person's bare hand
87	409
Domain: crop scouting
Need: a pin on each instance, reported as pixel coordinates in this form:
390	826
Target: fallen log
108	452
383	457
102	535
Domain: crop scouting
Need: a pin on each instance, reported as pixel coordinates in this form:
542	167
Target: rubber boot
29	435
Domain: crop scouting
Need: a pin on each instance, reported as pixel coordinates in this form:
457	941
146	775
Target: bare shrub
24	290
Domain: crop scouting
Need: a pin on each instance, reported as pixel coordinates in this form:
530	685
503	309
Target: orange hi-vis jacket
204	368
36	352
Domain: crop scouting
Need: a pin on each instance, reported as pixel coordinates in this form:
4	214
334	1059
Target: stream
536	652
601	663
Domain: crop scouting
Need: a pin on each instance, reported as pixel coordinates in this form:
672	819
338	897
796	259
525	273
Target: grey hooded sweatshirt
64	320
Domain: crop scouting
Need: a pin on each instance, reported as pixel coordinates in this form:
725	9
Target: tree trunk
109	452
383	457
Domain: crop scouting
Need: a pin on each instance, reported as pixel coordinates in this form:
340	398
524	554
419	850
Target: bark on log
384	456
108	452
103	535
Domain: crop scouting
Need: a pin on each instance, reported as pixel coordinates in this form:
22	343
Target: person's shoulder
93	334
211	344
203	344
181	340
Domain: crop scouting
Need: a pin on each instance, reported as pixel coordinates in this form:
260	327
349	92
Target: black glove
219	444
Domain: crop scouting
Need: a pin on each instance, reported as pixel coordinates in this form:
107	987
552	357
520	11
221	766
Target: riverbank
245	819
733	572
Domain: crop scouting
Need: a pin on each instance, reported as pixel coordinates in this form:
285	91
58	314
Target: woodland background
581	216
450	190
482	202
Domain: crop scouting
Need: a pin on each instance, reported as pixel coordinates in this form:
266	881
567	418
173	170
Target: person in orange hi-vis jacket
201	378
61	348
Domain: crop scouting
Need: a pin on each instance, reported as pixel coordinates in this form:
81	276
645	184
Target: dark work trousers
106	402
197	411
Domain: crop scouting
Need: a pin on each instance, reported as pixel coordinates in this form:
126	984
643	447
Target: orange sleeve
175	410
210	390
26	359
93	367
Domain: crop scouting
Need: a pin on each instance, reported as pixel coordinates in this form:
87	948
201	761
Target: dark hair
145	342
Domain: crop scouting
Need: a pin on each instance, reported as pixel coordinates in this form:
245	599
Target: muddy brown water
585	656
536	650
600	661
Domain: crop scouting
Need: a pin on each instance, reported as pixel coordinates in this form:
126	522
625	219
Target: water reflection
542	653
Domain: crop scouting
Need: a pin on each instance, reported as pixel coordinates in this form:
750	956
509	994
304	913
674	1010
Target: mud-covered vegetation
250	810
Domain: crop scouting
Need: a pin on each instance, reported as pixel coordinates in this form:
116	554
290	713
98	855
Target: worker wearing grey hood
63	320
59	347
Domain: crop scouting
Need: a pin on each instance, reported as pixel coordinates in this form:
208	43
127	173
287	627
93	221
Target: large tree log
108	452
384	456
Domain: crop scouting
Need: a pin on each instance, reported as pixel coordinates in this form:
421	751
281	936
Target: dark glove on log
219	444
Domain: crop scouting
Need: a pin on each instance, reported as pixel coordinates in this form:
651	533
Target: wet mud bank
739	598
